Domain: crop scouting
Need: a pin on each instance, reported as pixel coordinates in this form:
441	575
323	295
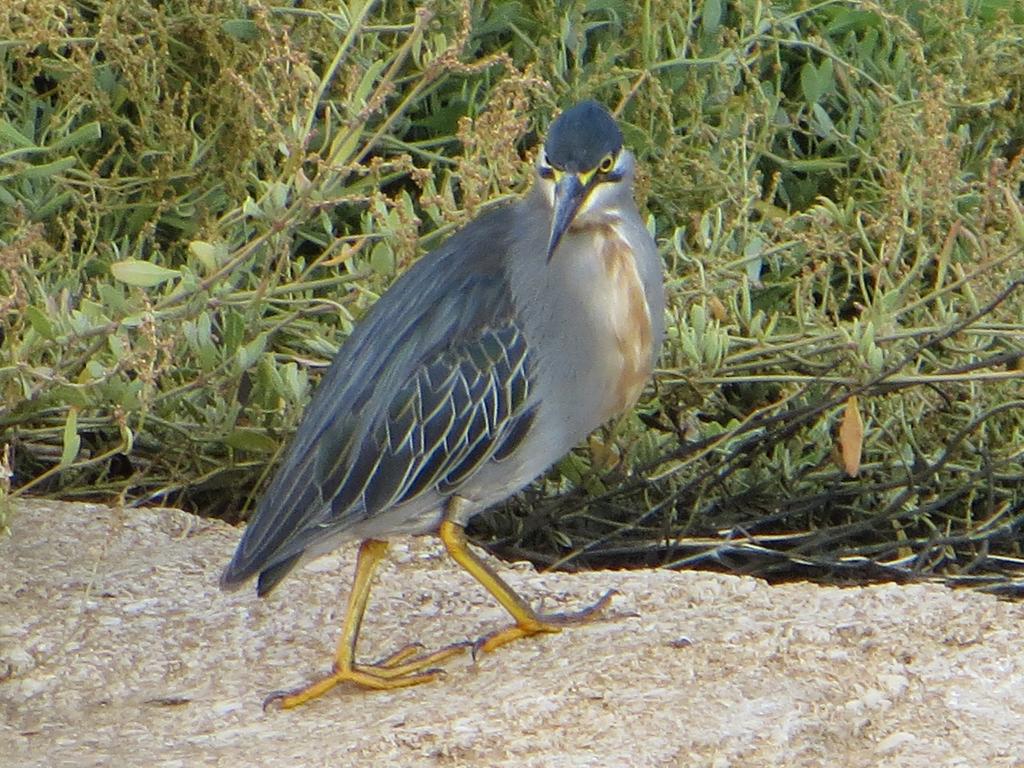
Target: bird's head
583	170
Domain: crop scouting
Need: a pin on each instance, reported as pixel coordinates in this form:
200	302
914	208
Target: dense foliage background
199	198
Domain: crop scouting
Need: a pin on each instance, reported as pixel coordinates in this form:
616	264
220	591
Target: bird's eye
607	164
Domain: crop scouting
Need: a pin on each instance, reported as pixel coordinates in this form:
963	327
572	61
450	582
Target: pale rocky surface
117	648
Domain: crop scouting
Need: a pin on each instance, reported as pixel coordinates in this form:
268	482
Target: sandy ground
116	648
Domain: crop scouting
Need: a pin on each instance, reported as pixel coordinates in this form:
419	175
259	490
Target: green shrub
199	199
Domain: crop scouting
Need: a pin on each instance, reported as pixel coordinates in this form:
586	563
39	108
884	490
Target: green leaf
251	208
343	148
240	29
297	381
233	325
277	194
382	259
72	442
40	322
83	135
823	125
113	298
72	395
856	20
142	273
94	370
251	440
117	346
203	342
711	17
362	91
816	81
208	254
11	135
247	356
51	206
47	169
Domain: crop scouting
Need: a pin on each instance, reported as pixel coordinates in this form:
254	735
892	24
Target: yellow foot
399	670
535	623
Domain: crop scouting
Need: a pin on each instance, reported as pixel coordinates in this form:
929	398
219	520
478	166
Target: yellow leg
528	621
400	669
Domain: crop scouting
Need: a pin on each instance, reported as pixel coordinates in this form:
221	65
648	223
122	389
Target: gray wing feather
434	381
450	417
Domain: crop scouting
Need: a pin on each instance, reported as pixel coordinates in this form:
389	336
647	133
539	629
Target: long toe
404	662
537	623
399	670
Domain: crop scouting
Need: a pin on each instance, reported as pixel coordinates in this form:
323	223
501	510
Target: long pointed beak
569	196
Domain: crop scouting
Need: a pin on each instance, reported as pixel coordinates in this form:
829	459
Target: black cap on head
581	137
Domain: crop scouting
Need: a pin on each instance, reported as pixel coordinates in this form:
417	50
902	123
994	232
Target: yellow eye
607	164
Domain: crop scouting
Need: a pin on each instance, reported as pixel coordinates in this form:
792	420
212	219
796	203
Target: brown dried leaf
718	310
851	437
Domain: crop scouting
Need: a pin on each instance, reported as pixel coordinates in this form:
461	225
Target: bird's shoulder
450	296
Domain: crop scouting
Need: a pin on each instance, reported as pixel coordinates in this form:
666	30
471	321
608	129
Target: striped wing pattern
466	406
